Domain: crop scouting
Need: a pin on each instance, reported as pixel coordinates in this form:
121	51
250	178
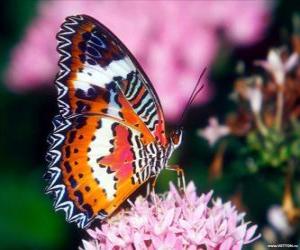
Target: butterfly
109	136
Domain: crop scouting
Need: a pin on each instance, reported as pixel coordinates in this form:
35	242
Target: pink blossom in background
214	131
174	222
279	221
278	67
173	41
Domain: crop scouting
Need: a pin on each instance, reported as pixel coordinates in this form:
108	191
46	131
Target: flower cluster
173	42
281	86
174	221
270	101
266	128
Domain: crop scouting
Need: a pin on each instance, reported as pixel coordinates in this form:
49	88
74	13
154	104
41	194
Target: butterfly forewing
93	59
109	113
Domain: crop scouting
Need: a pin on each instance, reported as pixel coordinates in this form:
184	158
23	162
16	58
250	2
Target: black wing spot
67	151
72	136
82	107
109	171
80	122
99	124
79	196
88	210
72	181
68	166
86	36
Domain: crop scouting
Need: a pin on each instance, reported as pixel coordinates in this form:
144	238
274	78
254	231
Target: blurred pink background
173	41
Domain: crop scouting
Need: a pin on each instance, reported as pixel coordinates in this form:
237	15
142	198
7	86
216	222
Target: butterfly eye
176	137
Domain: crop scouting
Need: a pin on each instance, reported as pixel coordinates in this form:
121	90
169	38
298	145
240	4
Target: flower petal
291	62
240	232
89	245
250	232
165	223
274	60
227	244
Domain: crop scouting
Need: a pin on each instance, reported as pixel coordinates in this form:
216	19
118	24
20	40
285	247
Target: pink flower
214	131
173	221
173	42
278	67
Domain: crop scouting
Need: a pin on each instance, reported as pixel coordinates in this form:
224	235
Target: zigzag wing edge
53	175
64	43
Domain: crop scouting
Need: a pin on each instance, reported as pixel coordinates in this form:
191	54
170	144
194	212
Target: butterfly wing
93	60
95	163
109	112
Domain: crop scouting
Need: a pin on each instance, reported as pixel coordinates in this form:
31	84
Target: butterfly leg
151	188
151	185
180	176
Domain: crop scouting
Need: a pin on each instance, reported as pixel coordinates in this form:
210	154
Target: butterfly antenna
195	92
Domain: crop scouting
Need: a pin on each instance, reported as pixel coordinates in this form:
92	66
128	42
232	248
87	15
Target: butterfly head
176	137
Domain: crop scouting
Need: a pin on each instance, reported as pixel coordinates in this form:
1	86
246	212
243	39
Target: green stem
279	109
260	125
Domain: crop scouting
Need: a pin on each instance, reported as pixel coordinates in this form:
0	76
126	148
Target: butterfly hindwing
96	167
